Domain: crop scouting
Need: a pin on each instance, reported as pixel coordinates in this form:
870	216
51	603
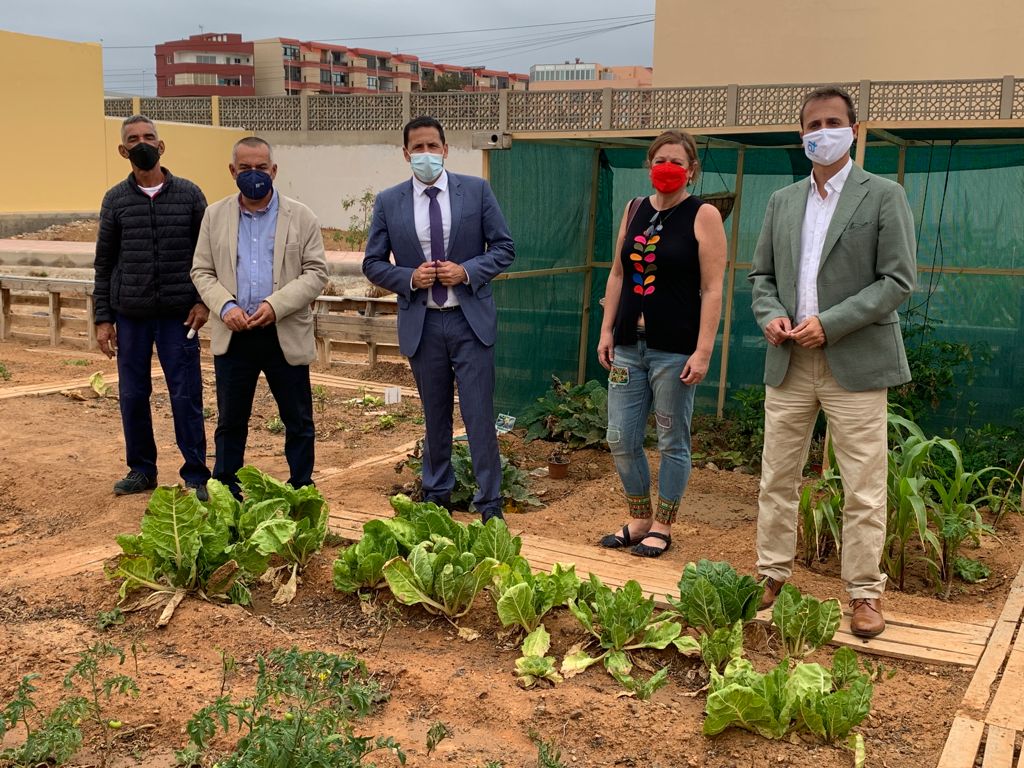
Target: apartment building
206	64
211	64
571	75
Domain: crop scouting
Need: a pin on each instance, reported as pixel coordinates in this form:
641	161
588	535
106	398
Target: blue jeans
179	358
653	383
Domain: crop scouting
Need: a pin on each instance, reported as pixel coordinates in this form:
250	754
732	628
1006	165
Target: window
230	82
371	83
203	58
325	76
414	67
339	78
292	73
291	52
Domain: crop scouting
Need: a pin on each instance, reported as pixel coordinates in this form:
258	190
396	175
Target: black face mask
144	156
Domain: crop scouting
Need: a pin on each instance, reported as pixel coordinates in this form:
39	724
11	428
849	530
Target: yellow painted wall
798	41
198	152
51	126
57	150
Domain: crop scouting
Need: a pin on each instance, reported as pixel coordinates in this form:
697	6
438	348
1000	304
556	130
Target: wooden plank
1006	709
962	743
999	743
980	688
1013	608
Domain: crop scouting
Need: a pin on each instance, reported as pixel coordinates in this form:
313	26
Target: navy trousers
179	358
238	371
450	352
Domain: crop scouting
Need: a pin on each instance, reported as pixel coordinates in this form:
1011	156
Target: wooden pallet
906	637
990	721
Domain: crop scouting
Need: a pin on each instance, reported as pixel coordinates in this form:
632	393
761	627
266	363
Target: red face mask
668	177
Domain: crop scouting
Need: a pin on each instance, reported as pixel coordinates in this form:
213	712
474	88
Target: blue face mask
254	184
426	167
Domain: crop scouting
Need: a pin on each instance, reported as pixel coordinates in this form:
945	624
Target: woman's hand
605	350
696	368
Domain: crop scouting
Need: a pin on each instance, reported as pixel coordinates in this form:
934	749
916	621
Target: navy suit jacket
479	240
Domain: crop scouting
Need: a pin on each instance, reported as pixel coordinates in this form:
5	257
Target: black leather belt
445	309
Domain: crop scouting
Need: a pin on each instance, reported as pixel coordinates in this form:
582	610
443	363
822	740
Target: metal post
588	275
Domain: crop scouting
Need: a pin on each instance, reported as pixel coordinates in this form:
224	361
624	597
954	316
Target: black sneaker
200	488
134	482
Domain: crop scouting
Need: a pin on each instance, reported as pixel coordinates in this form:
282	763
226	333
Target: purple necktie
437	291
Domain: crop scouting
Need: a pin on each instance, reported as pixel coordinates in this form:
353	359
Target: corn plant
821	510
956	496
907	517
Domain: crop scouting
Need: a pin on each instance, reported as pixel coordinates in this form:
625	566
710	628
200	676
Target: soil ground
61	456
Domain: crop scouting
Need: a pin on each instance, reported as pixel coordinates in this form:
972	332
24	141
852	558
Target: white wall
321	176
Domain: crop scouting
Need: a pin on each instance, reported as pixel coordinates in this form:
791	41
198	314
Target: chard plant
804	623
451	564
524	597
621	621
212	550
534	665
717	601
807	697
299	715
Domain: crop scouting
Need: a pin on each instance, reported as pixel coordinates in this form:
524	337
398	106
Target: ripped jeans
653	382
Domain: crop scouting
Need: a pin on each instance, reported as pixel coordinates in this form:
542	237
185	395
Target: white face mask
827	145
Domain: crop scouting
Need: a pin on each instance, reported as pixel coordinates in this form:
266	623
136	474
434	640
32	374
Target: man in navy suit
449	241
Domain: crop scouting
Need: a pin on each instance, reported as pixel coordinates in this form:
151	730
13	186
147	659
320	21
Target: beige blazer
868	268
300	273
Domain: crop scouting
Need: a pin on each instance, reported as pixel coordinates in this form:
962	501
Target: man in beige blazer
835	259
258	266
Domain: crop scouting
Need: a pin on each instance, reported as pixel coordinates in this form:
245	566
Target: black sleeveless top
661	278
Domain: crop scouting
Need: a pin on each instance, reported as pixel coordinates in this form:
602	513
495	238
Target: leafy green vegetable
722	645
449	567
713	596
807	697
534	665
214	549
576	415
804	623
970	570
621	621
362	564
524	597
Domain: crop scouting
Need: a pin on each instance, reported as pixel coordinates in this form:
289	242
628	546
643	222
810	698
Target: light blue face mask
426	167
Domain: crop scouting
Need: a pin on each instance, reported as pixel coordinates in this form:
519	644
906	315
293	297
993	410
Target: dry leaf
168	612
467	634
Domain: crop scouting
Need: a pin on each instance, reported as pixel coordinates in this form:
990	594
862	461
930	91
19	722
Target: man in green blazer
835	259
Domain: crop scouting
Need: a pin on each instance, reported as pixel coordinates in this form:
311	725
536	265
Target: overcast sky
393	25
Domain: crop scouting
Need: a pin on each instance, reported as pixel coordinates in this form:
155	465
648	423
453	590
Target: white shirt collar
835	184
420	188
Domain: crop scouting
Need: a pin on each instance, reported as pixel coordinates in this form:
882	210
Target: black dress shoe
489	514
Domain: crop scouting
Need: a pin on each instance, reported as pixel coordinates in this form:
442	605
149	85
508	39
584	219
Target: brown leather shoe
867	619
772	587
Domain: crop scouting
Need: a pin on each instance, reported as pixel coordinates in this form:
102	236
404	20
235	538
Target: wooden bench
372	321
56	291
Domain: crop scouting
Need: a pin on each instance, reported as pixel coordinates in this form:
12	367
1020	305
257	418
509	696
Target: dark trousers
238	370
179	358
450	352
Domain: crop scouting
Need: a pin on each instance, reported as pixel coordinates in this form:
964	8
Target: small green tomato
114	724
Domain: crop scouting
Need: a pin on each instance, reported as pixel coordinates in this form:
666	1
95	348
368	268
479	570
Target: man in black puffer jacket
149	224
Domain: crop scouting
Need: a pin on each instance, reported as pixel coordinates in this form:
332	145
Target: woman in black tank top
661	311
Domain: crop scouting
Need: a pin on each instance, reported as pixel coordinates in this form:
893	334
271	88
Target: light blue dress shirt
254	271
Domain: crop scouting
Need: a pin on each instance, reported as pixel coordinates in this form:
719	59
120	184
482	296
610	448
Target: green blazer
868	268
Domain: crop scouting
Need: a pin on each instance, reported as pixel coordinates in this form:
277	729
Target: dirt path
60	457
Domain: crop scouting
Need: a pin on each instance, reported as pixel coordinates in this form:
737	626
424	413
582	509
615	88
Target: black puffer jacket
144	249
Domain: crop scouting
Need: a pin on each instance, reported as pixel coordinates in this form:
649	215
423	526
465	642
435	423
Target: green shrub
574	414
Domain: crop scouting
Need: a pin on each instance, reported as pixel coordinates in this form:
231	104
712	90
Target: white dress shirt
817	217
421	212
